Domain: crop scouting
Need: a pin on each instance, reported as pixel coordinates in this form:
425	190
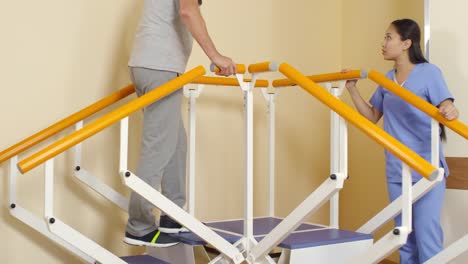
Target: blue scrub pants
427	237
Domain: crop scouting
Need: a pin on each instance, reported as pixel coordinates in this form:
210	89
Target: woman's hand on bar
350	84
448	110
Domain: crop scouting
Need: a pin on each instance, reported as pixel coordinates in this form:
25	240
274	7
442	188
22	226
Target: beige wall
59	56
448	39
77	52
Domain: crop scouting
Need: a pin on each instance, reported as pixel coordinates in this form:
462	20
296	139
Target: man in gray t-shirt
162	46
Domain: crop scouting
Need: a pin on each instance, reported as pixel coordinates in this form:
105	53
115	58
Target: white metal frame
247	248
410	194
67	233
327	191
338	150
181	216
270	98
93	182
156	198
192	93
321	195
36	223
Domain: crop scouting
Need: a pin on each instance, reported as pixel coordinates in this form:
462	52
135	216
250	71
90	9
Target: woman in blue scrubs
413	128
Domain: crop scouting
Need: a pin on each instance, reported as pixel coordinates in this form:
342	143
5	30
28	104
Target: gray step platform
143	259
306	235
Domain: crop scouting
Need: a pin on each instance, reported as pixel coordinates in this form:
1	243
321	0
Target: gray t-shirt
162	41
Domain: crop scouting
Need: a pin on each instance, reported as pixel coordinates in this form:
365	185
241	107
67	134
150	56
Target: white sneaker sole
135	242
173	230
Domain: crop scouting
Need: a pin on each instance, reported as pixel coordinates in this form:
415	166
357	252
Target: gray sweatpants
162	161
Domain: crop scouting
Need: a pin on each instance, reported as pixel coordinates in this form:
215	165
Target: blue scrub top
405	122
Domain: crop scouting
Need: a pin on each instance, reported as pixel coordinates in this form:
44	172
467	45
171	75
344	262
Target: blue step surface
306	235
262	225
143	259
321	237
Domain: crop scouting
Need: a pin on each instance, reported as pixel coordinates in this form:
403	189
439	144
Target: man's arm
193	19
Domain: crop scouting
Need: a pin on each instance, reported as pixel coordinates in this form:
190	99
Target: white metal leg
384	247
102	188
392	210
13	170
334	157
338	150
271	112
248	206
67	233
451	252
49	188
192	94
34	222
77	148
92	181
83	243
271	160
407	204
248	137
123	144
40	226
295	218
181	216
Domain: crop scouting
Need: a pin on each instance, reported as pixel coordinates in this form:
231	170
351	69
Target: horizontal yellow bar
418	102
327	77
240	68
65	123
227	81
76	137
377	134
263	67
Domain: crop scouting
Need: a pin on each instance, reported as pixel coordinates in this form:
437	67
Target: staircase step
320	237
306	235
262	225
143	259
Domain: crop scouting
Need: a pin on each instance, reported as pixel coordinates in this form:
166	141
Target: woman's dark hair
409	29
200	2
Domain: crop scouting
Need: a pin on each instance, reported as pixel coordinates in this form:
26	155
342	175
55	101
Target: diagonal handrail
65	123
98	106
418	102
456	125
401	151
326	77
71	140
405	154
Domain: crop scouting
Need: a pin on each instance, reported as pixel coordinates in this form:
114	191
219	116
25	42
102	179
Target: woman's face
392	45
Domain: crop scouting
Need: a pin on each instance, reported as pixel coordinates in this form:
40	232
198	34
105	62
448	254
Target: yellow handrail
89	130
65	123
418	102
391	144
227	81
263	67
240	68
327	77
